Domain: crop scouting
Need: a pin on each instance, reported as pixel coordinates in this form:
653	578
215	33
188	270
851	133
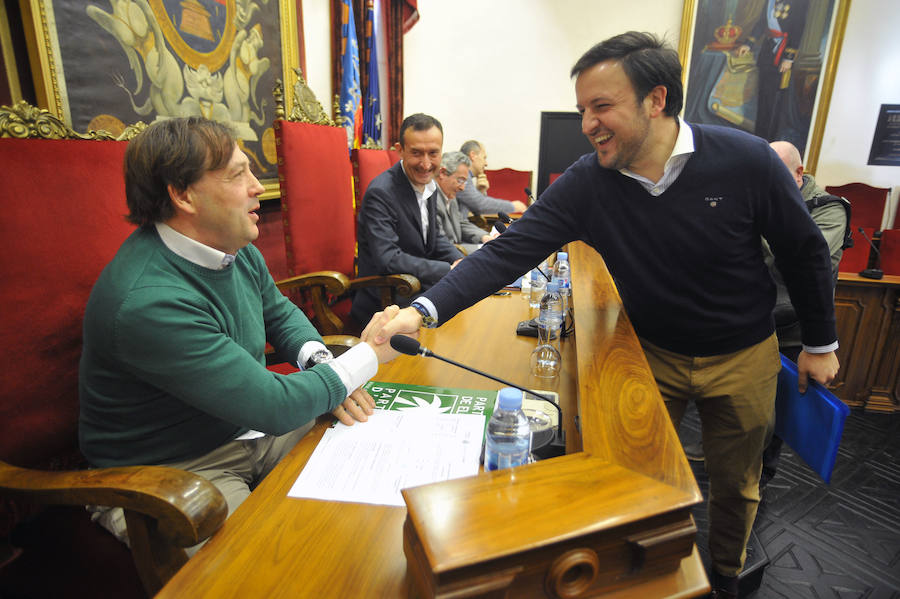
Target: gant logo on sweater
712	202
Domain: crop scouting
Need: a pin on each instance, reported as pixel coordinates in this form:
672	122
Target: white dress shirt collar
422	199
681	152
192	250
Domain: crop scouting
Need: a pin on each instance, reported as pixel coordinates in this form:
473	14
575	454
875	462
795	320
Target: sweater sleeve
188	349
548	224
801	255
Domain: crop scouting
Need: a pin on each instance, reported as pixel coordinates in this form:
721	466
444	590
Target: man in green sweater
173	367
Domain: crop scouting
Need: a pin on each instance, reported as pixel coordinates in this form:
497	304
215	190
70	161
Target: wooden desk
275	546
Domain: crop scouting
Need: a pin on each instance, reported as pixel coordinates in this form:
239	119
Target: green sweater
173	361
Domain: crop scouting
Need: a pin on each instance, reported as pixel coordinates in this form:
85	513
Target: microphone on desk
530	197
871	273
411	347
503	217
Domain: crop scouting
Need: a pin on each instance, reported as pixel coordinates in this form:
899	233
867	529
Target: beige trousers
735	397
235	468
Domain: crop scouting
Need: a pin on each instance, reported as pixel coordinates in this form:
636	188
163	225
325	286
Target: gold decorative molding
22	121
306	108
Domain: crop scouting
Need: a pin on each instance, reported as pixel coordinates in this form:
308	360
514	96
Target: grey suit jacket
456	227
472	200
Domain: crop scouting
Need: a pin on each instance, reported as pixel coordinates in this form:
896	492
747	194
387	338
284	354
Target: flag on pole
371	132
350	105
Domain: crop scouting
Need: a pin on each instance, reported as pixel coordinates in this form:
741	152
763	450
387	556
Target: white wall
317	44
868	76
487	68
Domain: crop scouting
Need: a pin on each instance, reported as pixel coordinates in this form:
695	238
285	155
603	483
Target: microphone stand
871	273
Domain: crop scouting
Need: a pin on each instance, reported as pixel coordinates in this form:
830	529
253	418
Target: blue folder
811	423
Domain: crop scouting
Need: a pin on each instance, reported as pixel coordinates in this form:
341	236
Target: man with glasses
451	179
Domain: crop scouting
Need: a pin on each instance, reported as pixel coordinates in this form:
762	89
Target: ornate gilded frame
43	37
689	39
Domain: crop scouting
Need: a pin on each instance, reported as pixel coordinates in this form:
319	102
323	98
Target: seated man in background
831	216
398	230
451	179
474	197
173	370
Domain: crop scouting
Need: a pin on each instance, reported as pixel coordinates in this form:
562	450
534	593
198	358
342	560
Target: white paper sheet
370	462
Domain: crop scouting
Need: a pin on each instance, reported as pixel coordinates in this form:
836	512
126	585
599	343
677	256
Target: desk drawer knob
572	573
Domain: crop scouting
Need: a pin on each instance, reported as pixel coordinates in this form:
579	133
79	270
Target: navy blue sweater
688	264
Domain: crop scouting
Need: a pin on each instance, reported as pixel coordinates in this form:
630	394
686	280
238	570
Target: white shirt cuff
820	349
308	349
356	366
426	303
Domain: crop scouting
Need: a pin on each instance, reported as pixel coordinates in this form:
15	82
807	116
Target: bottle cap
562	256
553	287
534	275
510	398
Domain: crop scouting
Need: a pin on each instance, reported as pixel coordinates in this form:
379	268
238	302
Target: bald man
832	216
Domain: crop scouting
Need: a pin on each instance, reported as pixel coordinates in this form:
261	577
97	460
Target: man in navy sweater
676	211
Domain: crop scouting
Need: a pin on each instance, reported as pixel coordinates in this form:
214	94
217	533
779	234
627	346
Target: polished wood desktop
276	546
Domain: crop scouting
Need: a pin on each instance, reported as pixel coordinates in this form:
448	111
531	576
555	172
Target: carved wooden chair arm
389	286
166	509
338	344
331	281
319	285
187	507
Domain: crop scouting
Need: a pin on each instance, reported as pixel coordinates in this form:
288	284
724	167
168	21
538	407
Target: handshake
389	322
359	405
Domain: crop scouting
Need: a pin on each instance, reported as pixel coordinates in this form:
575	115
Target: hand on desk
820	367
356	407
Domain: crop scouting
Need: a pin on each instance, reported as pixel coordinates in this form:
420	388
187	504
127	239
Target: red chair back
890	251
368	164
63	221
856	258
508	184
270	242
866	202
316	198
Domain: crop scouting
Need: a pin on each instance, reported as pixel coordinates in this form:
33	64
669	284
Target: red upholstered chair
508	184
270	242
320	226
63	220
890	251
867	203
856	258
368	164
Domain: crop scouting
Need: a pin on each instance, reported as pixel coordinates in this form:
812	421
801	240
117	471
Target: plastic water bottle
508	438
546	359
562	274
538	285
551	314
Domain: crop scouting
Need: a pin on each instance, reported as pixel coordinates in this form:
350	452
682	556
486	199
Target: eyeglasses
461	180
